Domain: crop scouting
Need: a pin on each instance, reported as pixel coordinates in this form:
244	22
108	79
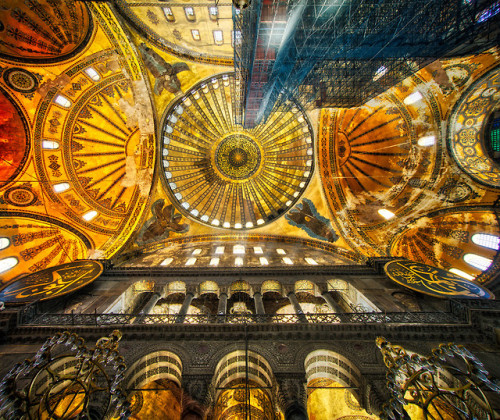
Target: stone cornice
156	272
297	332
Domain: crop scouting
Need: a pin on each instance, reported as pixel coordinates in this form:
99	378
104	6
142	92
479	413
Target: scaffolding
341	53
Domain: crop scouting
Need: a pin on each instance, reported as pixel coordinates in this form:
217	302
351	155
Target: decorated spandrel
434	281
52	282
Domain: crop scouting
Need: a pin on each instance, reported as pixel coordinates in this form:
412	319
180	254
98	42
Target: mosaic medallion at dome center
225	175
237	157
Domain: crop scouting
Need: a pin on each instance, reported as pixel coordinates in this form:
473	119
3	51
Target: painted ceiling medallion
224	175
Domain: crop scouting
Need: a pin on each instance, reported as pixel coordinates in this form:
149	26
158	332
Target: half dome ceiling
14	136
43	30
201	31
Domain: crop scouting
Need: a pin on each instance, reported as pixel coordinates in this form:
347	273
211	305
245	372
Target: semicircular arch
466	129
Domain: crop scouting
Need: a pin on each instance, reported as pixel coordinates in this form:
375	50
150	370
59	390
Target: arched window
61	187
492	136
4	242
7	263
50	144
488	241
461	273
481	263
238	249
166	261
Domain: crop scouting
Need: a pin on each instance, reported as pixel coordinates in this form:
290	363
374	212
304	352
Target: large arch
242	384
333	387
466	129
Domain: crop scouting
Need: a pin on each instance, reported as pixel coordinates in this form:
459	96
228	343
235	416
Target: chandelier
66	380
451	383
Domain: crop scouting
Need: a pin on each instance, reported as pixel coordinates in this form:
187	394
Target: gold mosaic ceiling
42	30
118	138
224	175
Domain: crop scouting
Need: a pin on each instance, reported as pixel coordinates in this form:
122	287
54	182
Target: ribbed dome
224	175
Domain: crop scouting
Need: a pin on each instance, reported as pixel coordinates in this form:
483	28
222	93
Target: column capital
292	393
191	289
196	392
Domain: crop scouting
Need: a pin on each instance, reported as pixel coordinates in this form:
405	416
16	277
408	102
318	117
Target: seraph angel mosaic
164	221
306	217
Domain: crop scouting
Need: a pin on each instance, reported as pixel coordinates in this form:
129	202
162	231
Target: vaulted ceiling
118	142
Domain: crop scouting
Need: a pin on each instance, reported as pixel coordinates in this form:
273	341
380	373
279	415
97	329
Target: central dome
224	175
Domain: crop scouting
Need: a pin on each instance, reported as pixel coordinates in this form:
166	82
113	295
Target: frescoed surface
442	239
165	220
30	32
306	217
14	141
83	173
39	243
467	126
225	175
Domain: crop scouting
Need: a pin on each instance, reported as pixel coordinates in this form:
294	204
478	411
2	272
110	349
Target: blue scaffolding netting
341	53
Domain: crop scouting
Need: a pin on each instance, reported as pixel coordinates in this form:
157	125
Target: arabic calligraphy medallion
434	281
52	282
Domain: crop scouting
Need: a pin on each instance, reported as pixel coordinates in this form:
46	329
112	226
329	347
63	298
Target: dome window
7	263
166	261
89	215
461	273
50	144
62	101
481	263
4	243
61	187
488	241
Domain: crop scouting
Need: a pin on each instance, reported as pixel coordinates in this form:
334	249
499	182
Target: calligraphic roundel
51	282
434	281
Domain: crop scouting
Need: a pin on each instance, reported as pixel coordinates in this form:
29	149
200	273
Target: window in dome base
477	261
492	136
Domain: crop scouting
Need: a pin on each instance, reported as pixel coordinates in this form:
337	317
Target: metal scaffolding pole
341	53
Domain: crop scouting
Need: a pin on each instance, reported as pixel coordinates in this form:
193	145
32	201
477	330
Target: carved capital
375	394
196	390
292	393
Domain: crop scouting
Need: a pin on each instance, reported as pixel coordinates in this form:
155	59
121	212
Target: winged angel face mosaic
224	175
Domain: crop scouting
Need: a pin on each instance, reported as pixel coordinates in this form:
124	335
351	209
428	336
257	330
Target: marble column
148	307
222	308
334	306
296	306
184	308
259	304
